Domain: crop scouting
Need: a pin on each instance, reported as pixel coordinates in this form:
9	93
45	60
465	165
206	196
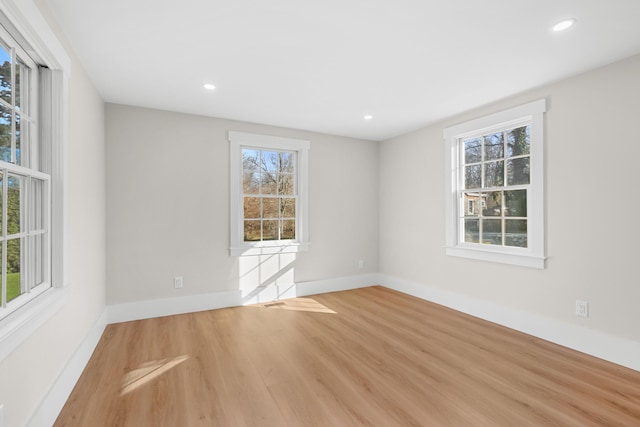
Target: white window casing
534	254
240	140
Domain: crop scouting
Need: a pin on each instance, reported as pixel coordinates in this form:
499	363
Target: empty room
319	213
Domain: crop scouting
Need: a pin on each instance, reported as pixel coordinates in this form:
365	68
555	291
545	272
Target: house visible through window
495	203
496	171
269	194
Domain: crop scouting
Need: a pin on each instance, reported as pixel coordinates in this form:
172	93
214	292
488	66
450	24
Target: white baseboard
210	301
169	306
58	394
614	349
337	284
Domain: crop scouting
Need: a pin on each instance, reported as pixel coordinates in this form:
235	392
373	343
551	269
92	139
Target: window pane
269	183
270	230
37	255
518	171
493	202
287	162
252	207
250	159
472	204
518	142
37	209
471	207
15	212
494	146
270	208
516	203
252	231
472	230
492	231
472	150
288	231
285	184
22	78
14	289
5	134
516	233
472	176
250	182
270	162
288	207
5	75
494	174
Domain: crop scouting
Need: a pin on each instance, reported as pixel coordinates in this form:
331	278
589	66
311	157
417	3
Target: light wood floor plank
366	357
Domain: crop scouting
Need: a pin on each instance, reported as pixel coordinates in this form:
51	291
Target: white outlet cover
582	308
178	282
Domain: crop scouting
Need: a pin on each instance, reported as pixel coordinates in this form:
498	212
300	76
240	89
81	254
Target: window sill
19	325
266	249
523	260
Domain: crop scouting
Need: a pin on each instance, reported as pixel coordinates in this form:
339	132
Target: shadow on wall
264	278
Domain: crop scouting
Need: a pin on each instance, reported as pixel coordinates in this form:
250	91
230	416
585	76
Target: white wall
592	151
28	373
168	207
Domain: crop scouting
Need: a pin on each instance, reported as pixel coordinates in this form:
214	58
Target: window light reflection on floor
147	372
298	304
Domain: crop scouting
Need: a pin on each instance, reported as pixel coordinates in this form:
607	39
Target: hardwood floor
366	357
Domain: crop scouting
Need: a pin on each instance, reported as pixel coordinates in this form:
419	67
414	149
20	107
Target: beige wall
592	150
28	373
168	206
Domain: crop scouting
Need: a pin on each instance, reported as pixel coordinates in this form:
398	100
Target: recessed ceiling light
564	24
209	86
368	117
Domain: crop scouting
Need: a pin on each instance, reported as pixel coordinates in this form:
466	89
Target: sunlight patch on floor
299	304
147	372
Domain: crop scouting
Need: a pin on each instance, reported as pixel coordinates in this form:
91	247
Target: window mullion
480	226
4	273
505	144
26	250
14	156
4	239
483	164
461	190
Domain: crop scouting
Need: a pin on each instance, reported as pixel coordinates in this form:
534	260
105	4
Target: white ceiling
321	65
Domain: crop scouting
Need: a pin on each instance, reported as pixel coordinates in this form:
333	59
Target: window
24	188
33	222
269	194
495	197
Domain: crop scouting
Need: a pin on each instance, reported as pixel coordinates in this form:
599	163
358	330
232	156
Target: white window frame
23	19
534	254
238	246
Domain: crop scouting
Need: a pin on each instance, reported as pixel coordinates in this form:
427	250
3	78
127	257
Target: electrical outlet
360	264
582	308
178	282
